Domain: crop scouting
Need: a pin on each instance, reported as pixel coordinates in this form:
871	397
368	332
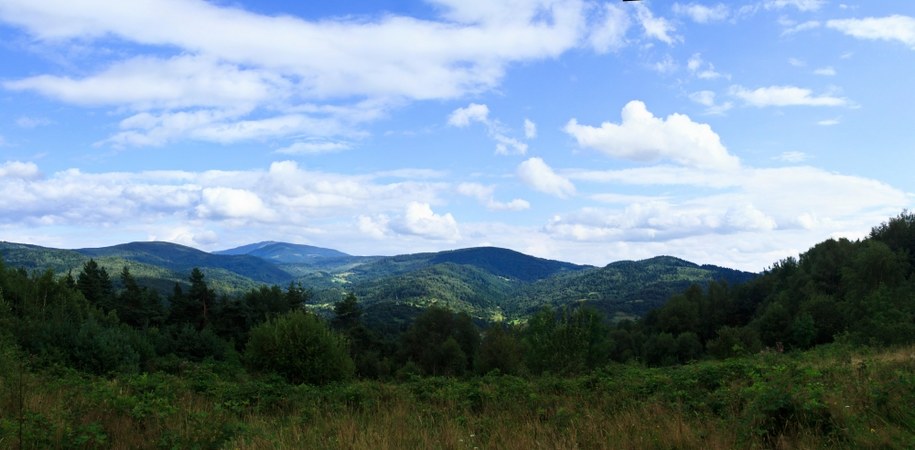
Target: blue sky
734	133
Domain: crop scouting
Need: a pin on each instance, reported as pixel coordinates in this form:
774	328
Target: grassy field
831	397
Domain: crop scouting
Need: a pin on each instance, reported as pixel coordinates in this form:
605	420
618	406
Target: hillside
486	282
284	252
158	266
622	289
180	258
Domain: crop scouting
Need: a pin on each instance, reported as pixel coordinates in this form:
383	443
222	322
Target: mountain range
487	282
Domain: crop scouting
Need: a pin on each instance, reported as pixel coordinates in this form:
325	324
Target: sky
729	133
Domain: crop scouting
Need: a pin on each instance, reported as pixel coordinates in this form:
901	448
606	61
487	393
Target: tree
95	284
569	342
426	342
301	348
137	306
194	307
500	350
347	312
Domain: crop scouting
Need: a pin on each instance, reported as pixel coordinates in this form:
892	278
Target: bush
301	348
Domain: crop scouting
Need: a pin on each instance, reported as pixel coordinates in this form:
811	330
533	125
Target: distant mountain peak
284	252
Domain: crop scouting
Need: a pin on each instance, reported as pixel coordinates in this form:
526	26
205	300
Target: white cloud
802	5
473	112
530	129
665	65
695	65
785	96
891	28
643	137
701	13
539	176
656	27
797	62
505	145
231	203
186	235
284	194
19	169
509	146
768	213
793	157
420	220
314	147
149	83
31	122
829	122
704	98
390	55
485	195
792	27
825	71
237	74
375	227
708	99
609	31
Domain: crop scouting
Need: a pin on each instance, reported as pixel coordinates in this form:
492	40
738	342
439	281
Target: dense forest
257	353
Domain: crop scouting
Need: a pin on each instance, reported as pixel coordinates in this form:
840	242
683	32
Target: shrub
301	348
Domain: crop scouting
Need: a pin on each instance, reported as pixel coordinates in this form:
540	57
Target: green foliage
301	348
631	288
347	312
567	342
441	342
500	349
95	284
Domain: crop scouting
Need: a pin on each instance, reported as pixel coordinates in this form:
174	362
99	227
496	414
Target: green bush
301	348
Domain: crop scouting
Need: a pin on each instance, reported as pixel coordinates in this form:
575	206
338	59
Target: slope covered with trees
817	353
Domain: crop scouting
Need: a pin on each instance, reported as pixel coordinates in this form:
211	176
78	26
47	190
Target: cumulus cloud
658	221
766	212
784	193
473	112
643	137
285	193
825	71
231	203
19	169
785	96
701	13
485	195
539	176
891	28
420	220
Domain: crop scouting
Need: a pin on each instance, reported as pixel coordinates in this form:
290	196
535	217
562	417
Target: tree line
860	292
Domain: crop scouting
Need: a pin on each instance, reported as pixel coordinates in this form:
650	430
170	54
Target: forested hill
487	282
181	258
624	288
284	252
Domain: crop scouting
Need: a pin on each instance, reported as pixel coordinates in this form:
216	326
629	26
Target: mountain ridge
490	283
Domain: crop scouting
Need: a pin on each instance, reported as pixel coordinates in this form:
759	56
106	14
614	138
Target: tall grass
830	397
